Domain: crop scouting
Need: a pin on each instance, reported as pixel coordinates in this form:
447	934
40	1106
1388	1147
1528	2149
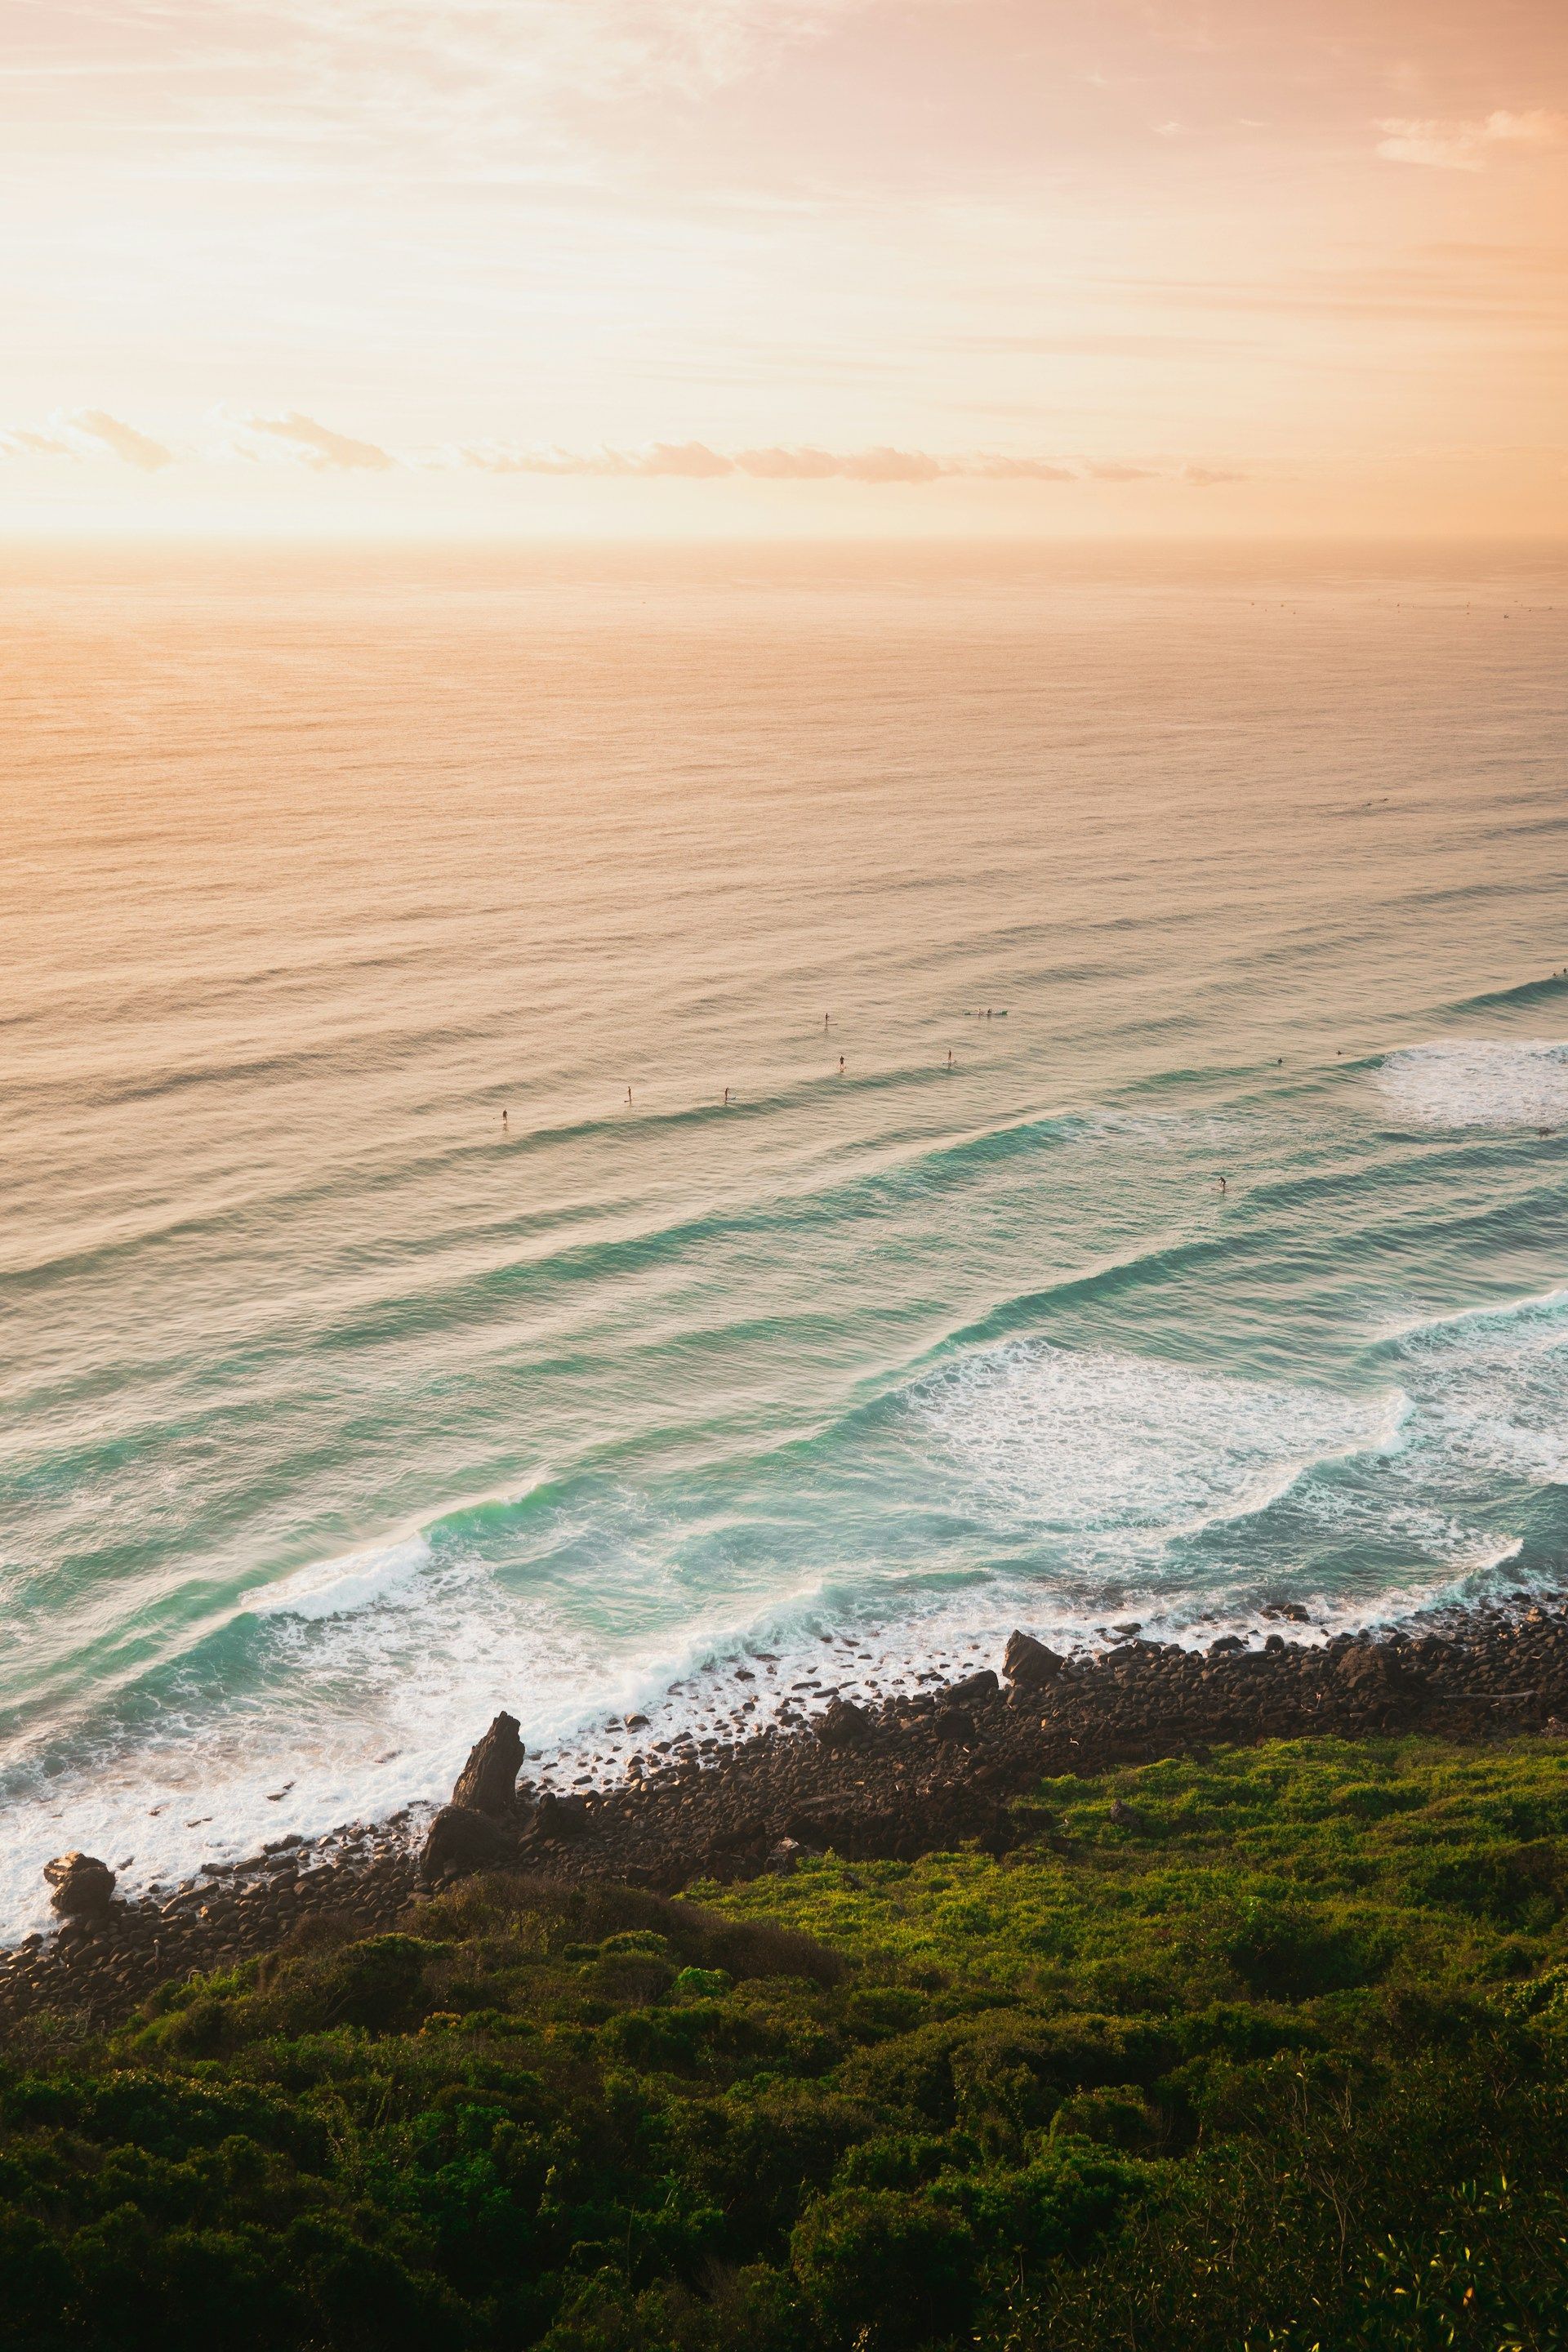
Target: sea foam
1479	1082
1102	1447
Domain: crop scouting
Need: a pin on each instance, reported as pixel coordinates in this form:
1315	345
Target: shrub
895	2267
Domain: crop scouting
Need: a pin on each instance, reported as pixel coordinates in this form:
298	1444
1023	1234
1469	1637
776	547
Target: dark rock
1227	1645
1001	1835
461	1841
1029	1662
845	1724
82	1885
488	1781
975	1689
749	1831
1371	1670
955	1727
563	1817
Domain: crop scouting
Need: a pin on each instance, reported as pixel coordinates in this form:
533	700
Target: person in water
1222	1186
841	1066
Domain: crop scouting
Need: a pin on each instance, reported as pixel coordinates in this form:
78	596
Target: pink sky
804	265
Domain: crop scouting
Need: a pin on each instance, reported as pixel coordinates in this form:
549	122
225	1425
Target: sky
872	267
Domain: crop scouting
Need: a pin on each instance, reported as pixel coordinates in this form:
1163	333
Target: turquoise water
336	1414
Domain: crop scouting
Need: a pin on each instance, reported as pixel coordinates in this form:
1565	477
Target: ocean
1138	981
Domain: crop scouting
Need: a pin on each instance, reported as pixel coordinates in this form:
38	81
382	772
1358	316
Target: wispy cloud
17	441
686	461
1446	146
100	431
247	436
695	461
317	445
809	464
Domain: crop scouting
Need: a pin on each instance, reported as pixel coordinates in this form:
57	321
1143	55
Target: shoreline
914	1774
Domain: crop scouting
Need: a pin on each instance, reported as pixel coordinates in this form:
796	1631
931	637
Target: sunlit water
337	1415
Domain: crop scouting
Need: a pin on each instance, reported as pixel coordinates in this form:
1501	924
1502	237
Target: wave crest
1480	1082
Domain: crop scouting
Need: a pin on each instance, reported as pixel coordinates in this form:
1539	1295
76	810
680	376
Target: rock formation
1029	1664
82	1885
843	1724
488	1781
460	1841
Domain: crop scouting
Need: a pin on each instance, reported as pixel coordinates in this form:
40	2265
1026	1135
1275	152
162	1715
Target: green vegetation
1269	2052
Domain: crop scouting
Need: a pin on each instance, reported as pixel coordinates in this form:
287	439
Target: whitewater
1035	1091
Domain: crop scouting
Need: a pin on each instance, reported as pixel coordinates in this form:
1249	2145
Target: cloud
1204	478
1018	469
101	430
684	461
318	446
249	436
1463	146
681	461
19	442
893	466
790	465
695	461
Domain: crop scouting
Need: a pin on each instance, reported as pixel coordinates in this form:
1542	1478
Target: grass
1270	2051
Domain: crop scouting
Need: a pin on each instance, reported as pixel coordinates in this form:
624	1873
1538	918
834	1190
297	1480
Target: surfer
726	1098
950	1057
1222	1185
841	1066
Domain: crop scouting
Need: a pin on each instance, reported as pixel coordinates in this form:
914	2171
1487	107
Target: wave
1098	1445
1480	1082
1551	988
1486	1311
364	1579
1492	1393
1088	1486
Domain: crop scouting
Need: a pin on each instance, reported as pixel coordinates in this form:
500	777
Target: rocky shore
910	1776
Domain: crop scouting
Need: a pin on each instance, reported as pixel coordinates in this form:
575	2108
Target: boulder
1375	1670
1029	1663
488	1781
82	1884
975	1689
461	1841
954	1725
845	1724
563	1817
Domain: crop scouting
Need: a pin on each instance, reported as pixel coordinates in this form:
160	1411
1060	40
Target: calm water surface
337	1413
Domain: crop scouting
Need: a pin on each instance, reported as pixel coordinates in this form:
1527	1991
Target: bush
1282	2064
897	2268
